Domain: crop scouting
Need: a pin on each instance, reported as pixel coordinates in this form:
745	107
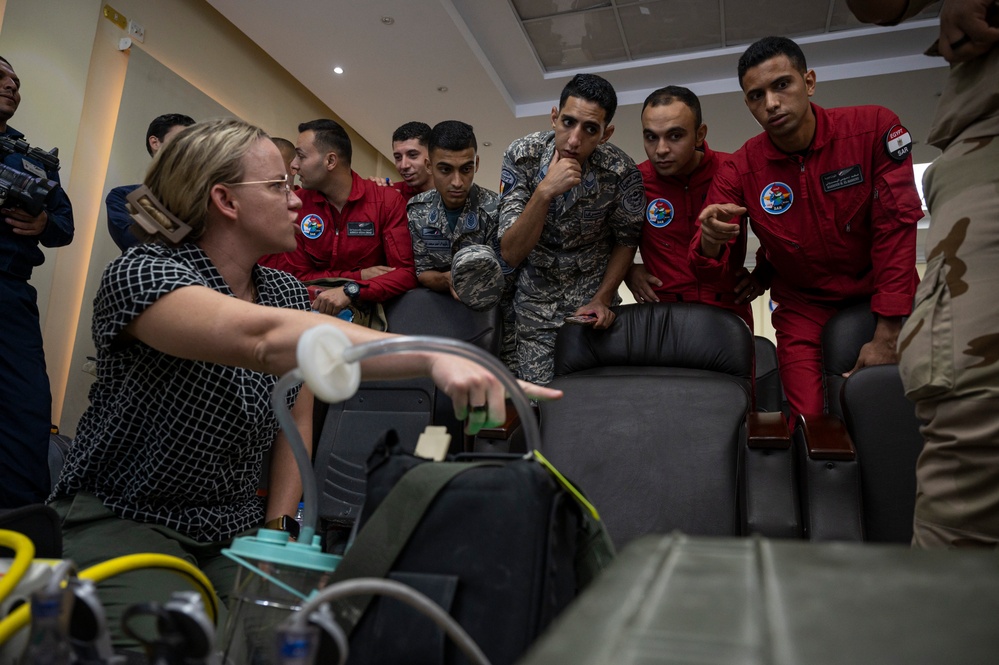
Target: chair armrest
503	431
769	487
506	438
829	475
768	431
826	438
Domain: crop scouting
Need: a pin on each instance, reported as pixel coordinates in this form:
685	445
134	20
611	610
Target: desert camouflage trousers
949	351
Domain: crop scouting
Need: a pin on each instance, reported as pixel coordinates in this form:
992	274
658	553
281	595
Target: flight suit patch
659	213
776	198
312	226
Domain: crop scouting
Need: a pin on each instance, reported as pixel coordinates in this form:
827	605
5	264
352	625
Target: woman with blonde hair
191	336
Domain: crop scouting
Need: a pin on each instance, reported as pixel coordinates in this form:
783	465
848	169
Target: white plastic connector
320	360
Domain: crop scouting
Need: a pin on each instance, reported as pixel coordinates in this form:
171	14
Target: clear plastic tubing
359	352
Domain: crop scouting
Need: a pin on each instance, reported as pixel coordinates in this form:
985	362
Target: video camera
24	190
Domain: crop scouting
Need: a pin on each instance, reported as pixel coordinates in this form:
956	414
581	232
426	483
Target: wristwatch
284	523
352	289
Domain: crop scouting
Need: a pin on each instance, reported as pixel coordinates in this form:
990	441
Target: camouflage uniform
436	247
565	268
950	345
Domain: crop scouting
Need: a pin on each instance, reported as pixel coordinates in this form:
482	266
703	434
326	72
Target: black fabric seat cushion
655	449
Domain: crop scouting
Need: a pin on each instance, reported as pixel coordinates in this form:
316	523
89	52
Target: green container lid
274	546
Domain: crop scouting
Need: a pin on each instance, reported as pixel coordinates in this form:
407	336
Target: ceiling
472	60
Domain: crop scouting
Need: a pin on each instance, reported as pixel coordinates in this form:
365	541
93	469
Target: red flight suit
371	230
836	226
672	206
404	190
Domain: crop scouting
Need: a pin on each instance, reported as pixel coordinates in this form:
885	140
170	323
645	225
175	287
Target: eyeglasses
286	186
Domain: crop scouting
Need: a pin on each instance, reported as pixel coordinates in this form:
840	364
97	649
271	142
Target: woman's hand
476	393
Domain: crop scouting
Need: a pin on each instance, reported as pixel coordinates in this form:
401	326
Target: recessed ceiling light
442	88
487	143
388	20
338	70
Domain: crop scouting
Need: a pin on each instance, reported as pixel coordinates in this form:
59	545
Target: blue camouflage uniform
435	246
565	268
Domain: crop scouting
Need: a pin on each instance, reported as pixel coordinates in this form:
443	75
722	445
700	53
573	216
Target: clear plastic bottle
49	641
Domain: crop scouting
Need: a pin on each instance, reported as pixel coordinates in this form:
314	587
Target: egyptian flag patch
898	143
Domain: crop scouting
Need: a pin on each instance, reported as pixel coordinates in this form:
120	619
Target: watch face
352	290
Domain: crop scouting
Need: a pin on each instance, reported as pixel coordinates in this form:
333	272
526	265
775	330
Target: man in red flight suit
348	226
831	196
676	177
411	154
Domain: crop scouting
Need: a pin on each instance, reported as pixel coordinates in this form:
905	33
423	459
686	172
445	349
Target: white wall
75	83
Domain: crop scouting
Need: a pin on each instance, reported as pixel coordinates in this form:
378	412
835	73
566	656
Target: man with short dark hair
412	161
25	398
570	217
831	197
677	175
349	227
160	130
454	231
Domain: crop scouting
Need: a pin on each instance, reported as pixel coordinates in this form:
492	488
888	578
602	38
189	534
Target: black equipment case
500	544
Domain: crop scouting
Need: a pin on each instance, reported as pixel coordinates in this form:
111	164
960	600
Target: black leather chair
346	433
859	473
653	423
766	378
885	432
842	337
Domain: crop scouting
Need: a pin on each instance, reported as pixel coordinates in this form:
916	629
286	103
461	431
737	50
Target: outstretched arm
197	323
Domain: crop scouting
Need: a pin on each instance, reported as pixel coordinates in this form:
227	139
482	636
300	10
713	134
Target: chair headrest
425	312
685	335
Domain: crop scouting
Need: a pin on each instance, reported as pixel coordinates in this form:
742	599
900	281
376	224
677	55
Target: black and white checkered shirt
166	440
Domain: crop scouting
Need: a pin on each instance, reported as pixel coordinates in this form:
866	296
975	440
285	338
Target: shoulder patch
898	143
633	193
312	226
507	180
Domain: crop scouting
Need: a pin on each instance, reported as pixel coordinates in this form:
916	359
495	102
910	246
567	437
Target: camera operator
25	400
